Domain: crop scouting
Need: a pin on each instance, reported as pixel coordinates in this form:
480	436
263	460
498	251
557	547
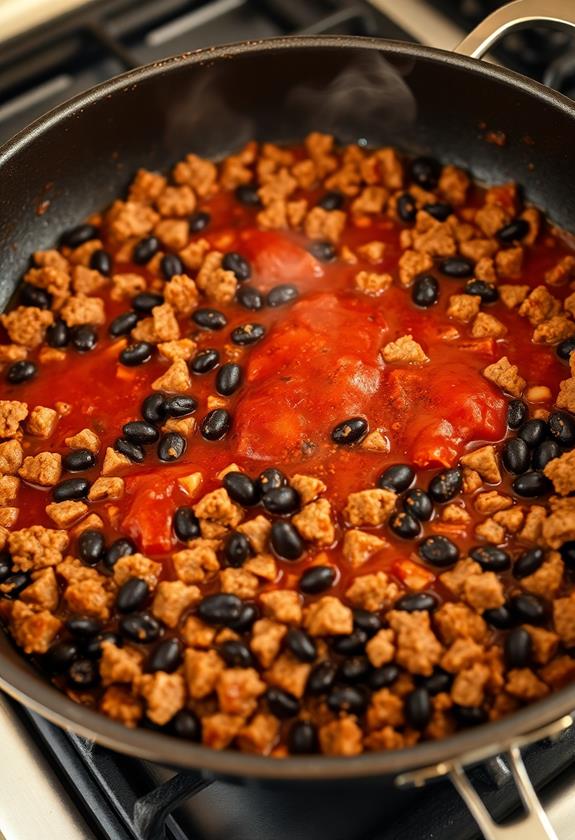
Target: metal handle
534	825
516	15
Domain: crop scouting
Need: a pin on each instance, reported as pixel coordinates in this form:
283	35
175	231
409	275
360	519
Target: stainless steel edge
516	15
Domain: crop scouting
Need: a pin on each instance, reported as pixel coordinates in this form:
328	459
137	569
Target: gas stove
58	786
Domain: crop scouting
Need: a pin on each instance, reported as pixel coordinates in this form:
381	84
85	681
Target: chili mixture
287	457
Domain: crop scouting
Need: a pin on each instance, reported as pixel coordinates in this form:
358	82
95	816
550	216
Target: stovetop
57	786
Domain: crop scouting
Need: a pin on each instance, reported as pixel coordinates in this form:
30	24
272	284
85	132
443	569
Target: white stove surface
17	16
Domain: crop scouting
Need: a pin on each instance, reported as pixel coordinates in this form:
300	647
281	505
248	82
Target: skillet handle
534	824
516	15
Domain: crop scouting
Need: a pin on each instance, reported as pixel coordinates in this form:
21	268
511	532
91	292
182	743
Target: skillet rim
38	694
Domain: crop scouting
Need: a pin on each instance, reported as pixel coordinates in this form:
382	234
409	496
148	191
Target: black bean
179	405
565	348
441	210
248	615
250	298
404	525
248	194
532	484
91	546
199	221
167	656
237	264
322	251
83	338
132	595
425	171
515	455
317	579
186	524
77	236
154	408
302	738
406	207
281	500
136	354
84	627
140	627
355	669
439	681
321	678
490	558
285	541
236	654
568	554
121	547
144	302
34	296
22	371
517	648
284	293
228	379
382	677
5	565
101	261
469	715
332	200
545	452
281	704
171	447
417	601
457	267
486	291
271	478
92	648
185	724
528	562
398	478
70	488
247	334
209	319
515	231
15	583
123	324
446	485
418	504
499	617
528	608
220	609
516	413
533	432
350	644
57	334
562	428
83	674
425	291
170	265
367	621
417	706
237	549
60	656
349	431
242	489
138	431
439	551
145	250
131	450
301	644
347	698
216	424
